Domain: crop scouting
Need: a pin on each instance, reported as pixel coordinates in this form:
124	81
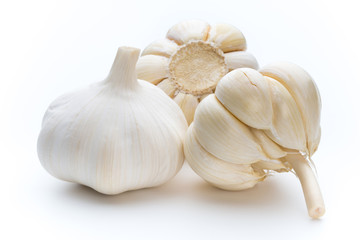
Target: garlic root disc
116	135
228	176
198	54
262	122
197	67
245	93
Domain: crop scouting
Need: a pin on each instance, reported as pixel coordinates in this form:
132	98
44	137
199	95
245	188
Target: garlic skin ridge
257	123
116	135
190	61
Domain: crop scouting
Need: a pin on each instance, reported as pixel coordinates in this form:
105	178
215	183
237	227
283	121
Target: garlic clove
305	92
287	129
227	37
152	68
168	87
271	149
163	47
224	136
245	93
186	31
240	59
222	174
188	104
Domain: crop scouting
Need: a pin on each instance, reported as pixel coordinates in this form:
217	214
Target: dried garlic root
257	122
188	64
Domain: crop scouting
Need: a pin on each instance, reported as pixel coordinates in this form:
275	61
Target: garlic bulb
190	61
255	123
116	135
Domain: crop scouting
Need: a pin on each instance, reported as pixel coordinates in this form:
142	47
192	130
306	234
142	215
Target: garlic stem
123	73
310	186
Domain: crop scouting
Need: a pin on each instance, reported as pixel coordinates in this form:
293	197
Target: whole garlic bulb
116	135
257	122
190	61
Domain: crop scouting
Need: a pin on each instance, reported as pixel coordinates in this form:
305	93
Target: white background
51	47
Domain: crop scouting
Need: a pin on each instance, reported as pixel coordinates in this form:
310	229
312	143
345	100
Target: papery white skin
116	135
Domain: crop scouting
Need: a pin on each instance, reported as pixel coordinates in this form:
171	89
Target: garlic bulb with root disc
190	61
256	123
116	135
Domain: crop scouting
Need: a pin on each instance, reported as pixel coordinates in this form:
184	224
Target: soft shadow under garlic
190	189
267	194
86	194
178	187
